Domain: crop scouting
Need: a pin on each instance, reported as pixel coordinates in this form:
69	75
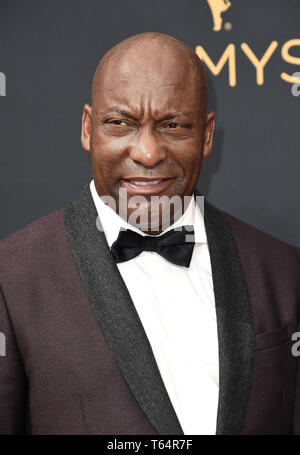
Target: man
117	326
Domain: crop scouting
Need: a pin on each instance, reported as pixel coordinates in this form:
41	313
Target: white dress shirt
176	306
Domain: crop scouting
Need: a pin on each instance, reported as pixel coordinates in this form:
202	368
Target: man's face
145	131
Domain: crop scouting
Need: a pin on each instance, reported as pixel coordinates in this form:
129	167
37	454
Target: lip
158	184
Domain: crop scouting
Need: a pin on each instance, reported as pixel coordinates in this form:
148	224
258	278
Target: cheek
105	154
191	165
189	158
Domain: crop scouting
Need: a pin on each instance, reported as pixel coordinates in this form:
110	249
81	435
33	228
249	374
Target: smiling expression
148	129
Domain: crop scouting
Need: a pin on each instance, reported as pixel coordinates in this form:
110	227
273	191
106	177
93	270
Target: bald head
151	58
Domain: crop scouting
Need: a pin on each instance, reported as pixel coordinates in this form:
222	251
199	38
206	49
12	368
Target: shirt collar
112	223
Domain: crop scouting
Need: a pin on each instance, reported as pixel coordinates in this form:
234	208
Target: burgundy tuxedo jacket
77	357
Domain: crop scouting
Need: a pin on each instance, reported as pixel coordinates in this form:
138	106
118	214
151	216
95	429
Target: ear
86	127
208	133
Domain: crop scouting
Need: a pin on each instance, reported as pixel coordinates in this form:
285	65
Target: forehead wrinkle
157	106
123	108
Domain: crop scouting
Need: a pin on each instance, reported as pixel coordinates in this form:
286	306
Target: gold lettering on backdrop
259	64
218	7
229	54
290	59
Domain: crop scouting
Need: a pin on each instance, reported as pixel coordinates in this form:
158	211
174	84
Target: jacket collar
236	334
125	334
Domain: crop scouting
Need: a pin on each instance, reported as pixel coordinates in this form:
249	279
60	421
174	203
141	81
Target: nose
148	149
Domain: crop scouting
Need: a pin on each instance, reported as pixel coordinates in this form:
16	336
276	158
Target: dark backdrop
48	52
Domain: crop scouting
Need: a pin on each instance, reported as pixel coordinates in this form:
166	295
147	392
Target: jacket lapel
125	334
116	313
236	334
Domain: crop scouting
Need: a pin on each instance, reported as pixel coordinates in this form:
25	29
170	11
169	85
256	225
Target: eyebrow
170	116
175	115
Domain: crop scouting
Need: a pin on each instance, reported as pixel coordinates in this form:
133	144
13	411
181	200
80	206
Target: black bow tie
175	246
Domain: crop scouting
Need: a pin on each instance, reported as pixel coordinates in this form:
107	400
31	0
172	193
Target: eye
172	125
117	122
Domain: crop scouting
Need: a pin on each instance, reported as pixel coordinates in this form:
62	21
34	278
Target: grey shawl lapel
116	313
125	334
236	335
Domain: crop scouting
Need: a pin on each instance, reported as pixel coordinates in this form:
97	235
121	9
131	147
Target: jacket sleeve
13	382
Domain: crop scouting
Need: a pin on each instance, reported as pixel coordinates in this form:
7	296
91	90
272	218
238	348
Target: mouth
145	185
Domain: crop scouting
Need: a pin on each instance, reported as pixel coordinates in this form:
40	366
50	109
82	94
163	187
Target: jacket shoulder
259	242
33	241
